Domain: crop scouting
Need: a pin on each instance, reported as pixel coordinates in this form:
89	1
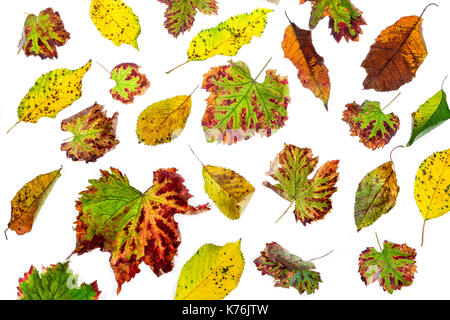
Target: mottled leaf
116	21
312	72
287	269
376	195
238	106
56	282
94	134
393	267
129	82
133	226
212	272
163	121
28	201
312	197
42	34
374	128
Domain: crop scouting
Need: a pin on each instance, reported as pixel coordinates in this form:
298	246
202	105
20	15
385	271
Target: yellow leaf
163	121
116	21
230	191
212	273
26	204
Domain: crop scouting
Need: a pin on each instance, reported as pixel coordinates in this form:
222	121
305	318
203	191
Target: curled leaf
129	82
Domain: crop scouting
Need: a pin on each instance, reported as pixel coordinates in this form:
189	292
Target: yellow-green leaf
432	186
116	21
163	121
212	273
230	191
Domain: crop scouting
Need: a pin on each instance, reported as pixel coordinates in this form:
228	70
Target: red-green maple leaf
287	269
180	14
238	106
374	128
393	267
345	19
42	34
94	134
133	226
129	82
312	197
56	282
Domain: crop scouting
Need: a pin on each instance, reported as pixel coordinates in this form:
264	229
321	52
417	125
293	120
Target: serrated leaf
374	128
28	201
393	267
56	282
239	107
345	19
429	116
287	269
180	14
129	82
116	21
163	121
94	134
211	273
230	191
376	195
52	92
134	227
312	72
42	34
312	197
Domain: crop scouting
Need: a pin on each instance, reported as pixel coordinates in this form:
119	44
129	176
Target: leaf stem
265	66
179	66
287	17
431	4
109	72
322	256
12	127
196	155
392	151
398	95
378	240
292	202
442	85
6	236
423	231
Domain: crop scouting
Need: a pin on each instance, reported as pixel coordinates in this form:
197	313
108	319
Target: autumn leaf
312	197
376	195
368	121
116	21
133	226
56	282
396	55
345	19
312	72
163	121
52	92
228	37
28	201
239	106
129	82
211	273
393	266
432	186
429	116
42	34
287	269
180	14
94	134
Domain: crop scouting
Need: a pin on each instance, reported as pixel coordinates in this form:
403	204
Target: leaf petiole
179	66
292	202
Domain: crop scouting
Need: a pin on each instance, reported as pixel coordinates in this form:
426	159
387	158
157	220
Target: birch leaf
129	82
212	272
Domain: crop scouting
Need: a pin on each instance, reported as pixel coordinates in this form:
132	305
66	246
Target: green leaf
129	82
430	115
56	282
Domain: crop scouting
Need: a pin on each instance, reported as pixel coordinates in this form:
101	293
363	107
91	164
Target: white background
32	149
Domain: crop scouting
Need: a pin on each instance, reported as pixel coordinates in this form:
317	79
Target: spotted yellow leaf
116	21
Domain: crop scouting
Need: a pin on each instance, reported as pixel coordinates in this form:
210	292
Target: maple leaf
287	269
374	128
312	197
238	106
42	34
345	19
134	227
393	266
180	14
129	82
56	282
93	134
